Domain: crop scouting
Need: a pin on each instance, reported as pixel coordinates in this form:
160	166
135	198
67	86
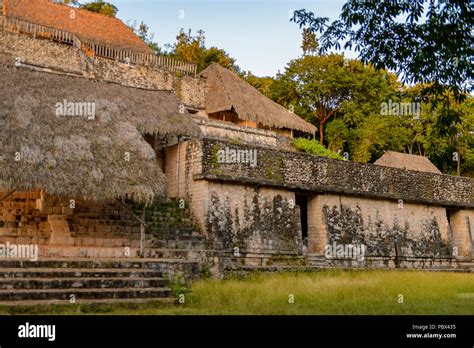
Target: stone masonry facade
284	210
403	218
52	57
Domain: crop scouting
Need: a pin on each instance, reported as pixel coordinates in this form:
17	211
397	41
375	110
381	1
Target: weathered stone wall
67	59
43	220
20	220
145	77
242	135
191	91
182	162
296	170
42	52
96	229
385	228
253	208
253	219
248	217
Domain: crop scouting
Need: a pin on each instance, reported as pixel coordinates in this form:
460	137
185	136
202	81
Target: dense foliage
319	88
99	6
424	41
315	148
193	49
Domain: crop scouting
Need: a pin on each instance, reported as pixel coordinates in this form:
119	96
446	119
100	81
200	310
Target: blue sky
256	32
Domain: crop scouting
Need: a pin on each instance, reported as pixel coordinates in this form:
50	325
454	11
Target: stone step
191	244
316	261
173	268
81	283
246	270
181	254
152	237
26	303
83	294
76	220
77	272
145	263
467	266
174	234
166	212
123	253
178	232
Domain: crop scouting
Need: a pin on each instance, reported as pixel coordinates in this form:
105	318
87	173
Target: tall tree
453	123
192	48
100	6
319	88
432	44
262	84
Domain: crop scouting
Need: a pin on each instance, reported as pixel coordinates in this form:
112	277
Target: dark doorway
449	214
302	202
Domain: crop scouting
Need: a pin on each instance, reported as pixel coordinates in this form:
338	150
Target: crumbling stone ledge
302	171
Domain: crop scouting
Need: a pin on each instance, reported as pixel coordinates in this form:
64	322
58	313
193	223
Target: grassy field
329	292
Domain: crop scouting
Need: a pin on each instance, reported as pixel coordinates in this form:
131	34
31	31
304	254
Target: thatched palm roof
87	25
407	161
77	156
227	91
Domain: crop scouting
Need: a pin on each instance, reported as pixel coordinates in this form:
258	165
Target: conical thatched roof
227	91
407	161
77	155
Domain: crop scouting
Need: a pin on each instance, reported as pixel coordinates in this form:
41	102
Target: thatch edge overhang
76	157
226	92
177	123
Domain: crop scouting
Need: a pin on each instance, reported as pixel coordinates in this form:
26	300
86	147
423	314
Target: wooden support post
142	234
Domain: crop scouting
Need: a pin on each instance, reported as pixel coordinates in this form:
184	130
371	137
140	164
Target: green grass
335	292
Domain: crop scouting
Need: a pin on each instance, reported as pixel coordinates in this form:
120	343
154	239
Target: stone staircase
81	281
92	266
170	232
466	266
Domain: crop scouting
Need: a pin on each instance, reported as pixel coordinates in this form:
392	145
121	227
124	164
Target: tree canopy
192	48
100	6
433	43
321	87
